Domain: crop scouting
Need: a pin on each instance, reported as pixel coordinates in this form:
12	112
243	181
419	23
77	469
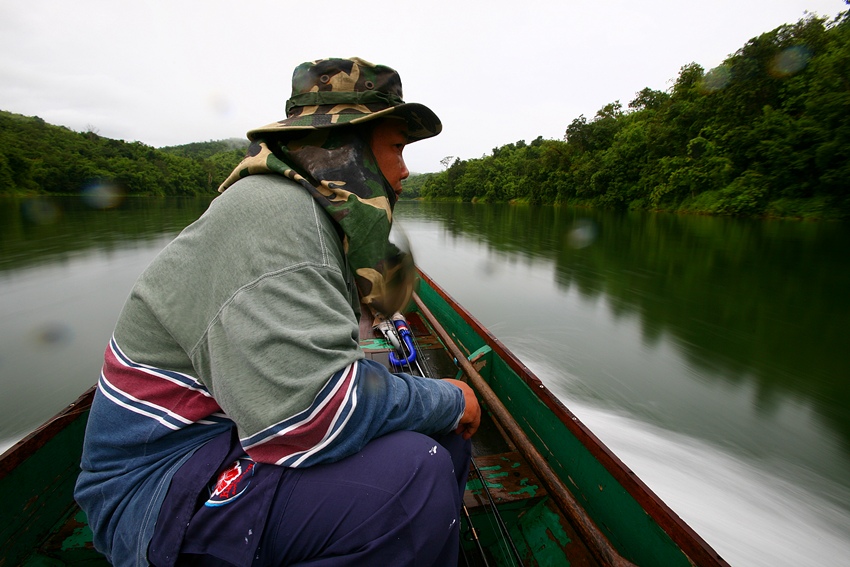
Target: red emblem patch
232	482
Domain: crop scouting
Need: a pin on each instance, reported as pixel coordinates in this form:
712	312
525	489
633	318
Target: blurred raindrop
40	211
103	195
716	79
582	234
400	273
790	61
221	105
54	334
488	268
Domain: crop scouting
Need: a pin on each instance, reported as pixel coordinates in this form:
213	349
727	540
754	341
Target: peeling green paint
476	484
81	537
483	351
375	344
529	490
545	537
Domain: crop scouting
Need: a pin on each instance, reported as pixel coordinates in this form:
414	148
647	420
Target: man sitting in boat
236	421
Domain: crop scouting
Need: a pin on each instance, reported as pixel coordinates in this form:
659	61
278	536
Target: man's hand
471	418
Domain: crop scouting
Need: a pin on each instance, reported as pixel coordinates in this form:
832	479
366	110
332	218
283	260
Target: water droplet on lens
582	234
103	195
40	211
54	334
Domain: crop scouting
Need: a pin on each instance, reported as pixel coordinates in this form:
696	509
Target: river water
710	354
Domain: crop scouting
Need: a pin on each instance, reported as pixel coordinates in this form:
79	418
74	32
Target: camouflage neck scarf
337	167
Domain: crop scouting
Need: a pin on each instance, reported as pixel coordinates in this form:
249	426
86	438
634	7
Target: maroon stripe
189	404
307	435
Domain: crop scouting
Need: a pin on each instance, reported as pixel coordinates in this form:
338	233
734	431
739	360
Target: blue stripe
347	408
323	394
346	412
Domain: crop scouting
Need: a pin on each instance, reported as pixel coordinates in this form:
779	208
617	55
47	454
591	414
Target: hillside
37	158
766	133
206	150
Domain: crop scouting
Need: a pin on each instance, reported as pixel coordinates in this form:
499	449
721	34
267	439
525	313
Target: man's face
389	136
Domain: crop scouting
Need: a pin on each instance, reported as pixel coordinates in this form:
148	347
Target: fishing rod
600	546
397	333
474	533
506	536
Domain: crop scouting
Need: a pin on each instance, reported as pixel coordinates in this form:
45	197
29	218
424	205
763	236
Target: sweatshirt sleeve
283	361
359	403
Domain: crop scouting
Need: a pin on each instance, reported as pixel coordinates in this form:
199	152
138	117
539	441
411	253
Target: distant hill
40	158
204	150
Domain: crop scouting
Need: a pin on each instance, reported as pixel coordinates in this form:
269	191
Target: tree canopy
765	133
36	157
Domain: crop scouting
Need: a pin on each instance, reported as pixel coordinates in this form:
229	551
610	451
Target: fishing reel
397	333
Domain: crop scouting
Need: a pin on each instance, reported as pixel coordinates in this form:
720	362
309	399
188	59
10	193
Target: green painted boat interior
41	525
628	526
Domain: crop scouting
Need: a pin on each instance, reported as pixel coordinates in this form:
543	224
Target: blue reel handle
407	337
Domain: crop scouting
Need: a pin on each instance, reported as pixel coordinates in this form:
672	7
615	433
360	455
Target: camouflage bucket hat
334	92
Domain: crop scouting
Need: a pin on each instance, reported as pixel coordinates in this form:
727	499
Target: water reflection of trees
38	230
759	299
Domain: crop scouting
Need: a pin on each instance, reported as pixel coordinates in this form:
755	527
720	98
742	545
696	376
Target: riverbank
811	210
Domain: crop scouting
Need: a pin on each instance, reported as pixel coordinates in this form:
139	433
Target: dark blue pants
397	502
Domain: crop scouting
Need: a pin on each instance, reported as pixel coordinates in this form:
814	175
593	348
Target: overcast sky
168	72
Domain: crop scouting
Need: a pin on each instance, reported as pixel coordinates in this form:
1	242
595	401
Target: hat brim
421	121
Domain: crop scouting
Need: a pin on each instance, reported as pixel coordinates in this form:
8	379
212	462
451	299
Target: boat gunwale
35	440
682	534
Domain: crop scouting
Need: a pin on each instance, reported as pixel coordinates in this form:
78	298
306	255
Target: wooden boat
543	490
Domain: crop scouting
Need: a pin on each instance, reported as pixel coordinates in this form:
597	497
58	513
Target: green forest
40	158
765	134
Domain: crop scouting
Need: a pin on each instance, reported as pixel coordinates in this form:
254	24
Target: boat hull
635	521
40	521
561	494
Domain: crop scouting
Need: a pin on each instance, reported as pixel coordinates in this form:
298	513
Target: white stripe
351	368
140	411
195	386
209	421
329	438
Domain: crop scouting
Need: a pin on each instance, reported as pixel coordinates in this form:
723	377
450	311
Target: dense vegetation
36	157
765	133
